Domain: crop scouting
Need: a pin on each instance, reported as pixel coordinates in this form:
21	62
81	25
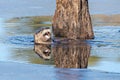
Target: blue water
105	52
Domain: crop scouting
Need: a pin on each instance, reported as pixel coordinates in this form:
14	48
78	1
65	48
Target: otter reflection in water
43	51
71	55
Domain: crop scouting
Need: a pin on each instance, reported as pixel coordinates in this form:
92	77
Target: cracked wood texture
72	20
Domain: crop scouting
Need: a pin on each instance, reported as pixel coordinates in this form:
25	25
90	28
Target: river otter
43	36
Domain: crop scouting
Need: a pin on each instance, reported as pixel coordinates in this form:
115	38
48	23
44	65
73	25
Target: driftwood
72	20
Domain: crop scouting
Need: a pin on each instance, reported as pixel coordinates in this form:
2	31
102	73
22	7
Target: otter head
43	36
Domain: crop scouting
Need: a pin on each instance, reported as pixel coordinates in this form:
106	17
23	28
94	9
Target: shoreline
97	20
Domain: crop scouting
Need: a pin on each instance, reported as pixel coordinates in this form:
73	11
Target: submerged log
72	20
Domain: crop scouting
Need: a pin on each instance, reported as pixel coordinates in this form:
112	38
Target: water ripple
21	40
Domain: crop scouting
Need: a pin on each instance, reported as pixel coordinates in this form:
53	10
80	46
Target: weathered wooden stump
72	20
43	36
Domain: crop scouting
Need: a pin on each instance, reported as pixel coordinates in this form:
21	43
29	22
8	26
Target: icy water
16	35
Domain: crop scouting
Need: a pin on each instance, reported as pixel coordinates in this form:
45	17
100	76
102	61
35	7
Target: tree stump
72	20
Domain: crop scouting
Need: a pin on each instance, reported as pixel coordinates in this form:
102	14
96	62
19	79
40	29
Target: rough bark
71	56
72	20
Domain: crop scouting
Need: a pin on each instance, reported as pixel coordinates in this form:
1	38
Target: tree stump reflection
71	55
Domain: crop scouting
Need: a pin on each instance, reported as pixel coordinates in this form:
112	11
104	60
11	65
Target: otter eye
48	32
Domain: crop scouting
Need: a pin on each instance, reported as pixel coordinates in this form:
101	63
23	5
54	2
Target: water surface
16	32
